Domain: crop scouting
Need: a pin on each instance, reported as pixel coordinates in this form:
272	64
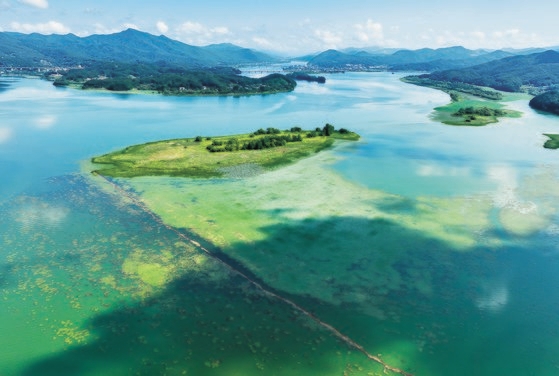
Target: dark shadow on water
374	280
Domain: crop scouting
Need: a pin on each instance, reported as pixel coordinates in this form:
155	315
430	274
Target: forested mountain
529	73
129	46
423	59
548	102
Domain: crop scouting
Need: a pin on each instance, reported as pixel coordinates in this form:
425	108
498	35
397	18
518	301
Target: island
169	80
547	102
302	76
470	105
225	156
553	142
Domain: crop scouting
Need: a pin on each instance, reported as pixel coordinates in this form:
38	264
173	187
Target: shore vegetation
552	142
205	157
470	105
170	80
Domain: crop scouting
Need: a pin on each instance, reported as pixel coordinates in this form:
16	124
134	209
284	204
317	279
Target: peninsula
470	104
224	156
169	80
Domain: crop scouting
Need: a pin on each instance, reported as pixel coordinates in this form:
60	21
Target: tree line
171	80
270	138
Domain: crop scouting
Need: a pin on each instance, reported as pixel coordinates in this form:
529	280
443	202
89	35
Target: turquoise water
436	248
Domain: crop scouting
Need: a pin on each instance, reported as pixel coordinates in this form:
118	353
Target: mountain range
425	59
506	70
521	73
129	46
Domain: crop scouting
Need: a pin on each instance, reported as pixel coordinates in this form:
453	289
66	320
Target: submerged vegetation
217	156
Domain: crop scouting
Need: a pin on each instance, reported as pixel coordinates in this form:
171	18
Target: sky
293	28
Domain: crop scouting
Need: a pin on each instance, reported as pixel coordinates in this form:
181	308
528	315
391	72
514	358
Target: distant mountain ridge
423	59
128	46
523	73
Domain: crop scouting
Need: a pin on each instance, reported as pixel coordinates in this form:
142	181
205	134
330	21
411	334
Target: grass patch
471	105
471	111
191	157
553	142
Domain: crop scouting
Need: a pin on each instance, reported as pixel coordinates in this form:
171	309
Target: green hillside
426	59
548	102
129	46
534	73
170	80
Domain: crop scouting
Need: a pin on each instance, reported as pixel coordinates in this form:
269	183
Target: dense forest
128	46
548	102
453	86
171	80
424	59
272	138
302	76
534	73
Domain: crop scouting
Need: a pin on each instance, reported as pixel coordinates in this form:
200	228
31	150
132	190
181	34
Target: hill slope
129	46
422	59
548	102
530	73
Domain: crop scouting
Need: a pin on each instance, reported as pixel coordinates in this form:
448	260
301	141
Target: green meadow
230	156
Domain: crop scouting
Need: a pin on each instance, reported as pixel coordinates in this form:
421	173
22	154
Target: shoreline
222	156
466	108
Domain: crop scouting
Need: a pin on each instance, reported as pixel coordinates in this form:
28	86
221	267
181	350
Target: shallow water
431	245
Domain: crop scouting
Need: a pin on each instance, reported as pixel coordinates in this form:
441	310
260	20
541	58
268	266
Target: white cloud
162	27
43	4
479	35
512	37
506	33
5	134
130	26
263	42
51	27
369	32
197	33
329	38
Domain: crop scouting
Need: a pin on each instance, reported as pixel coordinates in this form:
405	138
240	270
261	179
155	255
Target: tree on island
328	129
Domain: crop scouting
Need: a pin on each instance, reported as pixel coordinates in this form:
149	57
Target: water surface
434	246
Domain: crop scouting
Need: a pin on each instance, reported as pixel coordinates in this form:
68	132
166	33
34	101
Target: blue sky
296	27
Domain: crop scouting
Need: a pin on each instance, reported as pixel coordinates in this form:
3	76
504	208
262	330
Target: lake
432	247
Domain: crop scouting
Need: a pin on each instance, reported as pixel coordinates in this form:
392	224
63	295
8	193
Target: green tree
328	129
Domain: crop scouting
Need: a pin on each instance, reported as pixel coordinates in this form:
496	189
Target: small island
224	156
553	142
302	76
470	104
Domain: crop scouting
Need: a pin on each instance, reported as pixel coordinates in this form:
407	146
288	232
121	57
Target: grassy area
453	113
483	104
553	142
190	157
